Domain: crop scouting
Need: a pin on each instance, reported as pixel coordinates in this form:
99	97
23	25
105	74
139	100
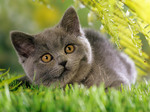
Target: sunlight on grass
16	97
75	99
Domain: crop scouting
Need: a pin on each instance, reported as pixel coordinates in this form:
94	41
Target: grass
74	99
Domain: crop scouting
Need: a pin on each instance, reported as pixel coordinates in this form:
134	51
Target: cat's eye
69	49
46	58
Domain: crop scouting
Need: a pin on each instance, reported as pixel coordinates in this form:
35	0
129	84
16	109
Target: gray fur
94	60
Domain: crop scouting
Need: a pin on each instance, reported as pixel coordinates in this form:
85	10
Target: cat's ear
70	22
23	43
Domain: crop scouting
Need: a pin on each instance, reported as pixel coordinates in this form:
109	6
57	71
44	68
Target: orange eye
69	49
46	58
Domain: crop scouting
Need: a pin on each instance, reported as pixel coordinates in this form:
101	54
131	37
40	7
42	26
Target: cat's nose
63	63
62	60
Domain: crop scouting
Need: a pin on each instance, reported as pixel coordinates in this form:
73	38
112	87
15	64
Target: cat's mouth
65	71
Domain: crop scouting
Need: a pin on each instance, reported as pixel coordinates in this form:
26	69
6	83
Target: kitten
68	54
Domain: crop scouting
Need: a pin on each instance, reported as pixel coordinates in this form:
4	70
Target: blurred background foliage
125	20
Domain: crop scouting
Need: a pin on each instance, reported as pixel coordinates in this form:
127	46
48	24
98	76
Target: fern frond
124	26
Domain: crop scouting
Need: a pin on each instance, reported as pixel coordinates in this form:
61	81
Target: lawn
14	98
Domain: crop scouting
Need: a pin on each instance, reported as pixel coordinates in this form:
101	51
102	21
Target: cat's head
60	54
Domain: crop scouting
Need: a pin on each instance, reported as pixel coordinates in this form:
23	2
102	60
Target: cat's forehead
55	37
51	34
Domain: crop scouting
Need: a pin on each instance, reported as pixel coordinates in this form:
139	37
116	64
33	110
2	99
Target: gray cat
68	54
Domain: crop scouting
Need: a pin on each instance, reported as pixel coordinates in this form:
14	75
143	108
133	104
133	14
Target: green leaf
8	81
2	70
1	75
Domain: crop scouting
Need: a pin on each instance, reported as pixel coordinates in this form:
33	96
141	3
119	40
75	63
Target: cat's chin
60	80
